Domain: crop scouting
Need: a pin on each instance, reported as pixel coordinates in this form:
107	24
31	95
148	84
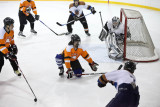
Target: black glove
14	49
70	73
11	56
101	85
37	17
93	66
28	9
93	10
75	18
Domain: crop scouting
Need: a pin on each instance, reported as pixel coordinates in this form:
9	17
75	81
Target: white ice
37	53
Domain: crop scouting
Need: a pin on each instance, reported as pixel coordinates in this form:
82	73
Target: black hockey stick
101	18
35	99
72	20
46	26
50	28
100	72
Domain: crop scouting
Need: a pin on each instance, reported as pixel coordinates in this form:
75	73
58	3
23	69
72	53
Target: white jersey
118	31
121	76
79	9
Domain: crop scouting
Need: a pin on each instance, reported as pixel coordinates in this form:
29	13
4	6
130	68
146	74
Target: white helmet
115	22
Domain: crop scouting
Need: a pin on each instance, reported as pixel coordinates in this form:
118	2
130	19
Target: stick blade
58	24
120	67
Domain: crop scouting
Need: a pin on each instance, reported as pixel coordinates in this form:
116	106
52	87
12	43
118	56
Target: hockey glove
70	73
28	9
93	66
101	84
37	17
93	10
11	56
14	49
75	18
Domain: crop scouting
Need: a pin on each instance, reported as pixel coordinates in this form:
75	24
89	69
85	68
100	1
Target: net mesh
140	46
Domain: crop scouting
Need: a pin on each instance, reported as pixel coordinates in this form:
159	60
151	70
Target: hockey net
139	47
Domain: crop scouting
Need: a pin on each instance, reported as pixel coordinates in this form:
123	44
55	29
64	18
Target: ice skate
61	72
21	34
88	34
33	31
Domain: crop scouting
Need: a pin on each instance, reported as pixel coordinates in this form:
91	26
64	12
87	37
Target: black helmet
8	21
130	66
76	0
75	37
29	0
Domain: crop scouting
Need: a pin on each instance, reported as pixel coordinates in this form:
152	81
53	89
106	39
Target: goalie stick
101	18
72	20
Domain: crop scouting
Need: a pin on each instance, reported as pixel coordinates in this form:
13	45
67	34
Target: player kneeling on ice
8	48
76	10
113	34
125	82
70	57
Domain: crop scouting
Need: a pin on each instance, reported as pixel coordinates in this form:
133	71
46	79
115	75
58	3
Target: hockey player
76	10
70	57
24	14
125	83
8	48
113	34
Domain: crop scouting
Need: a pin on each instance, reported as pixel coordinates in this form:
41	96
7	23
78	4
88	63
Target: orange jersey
6	40
25	4
70	54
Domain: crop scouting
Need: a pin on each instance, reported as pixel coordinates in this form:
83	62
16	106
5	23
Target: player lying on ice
113	34
70	57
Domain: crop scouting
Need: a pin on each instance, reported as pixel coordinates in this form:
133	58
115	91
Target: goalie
113	34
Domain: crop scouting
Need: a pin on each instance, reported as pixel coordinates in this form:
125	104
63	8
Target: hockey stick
99	73
72	20
35	99
101	18
46	26
50	28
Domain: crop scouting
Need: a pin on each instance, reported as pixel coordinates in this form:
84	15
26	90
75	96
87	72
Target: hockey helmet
130	66
115	22
75	37
76	0
8	21
29	0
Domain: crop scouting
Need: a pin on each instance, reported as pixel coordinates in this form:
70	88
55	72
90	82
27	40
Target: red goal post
139	47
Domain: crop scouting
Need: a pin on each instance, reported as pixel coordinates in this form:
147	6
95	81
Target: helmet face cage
76	2
115	22
8	21
130	66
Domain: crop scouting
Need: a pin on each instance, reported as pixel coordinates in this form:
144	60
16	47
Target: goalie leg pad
59	60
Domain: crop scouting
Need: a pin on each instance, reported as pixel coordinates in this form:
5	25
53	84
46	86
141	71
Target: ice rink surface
37	53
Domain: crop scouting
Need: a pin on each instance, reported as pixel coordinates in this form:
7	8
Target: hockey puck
35	100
